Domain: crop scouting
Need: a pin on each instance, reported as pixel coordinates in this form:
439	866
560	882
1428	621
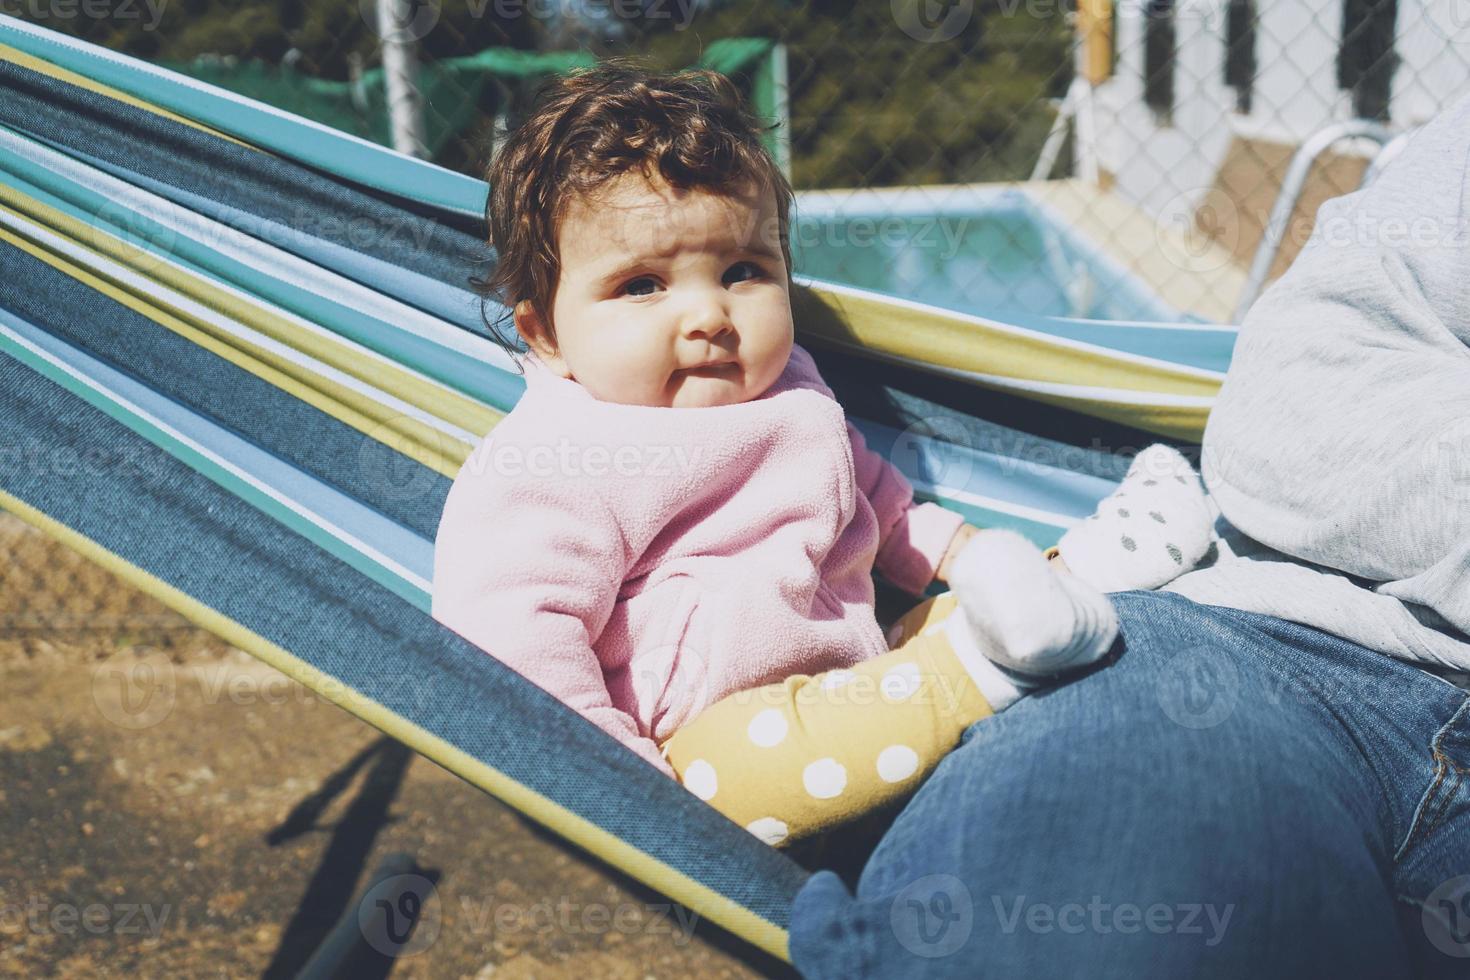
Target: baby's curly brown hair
691	128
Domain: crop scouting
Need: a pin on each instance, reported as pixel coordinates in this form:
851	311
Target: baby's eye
741	271
642	286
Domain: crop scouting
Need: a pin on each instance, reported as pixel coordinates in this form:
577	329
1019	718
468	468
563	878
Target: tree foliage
871	104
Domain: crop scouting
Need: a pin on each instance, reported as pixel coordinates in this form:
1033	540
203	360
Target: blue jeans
1234	796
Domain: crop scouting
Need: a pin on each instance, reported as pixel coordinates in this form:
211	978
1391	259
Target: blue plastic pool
989	251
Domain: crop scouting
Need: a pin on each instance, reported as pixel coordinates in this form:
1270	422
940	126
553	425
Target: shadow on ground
178	809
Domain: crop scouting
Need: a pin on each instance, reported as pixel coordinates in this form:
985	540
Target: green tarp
453	88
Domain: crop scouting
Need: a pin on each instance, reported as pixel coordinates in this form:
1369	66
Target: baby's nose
706	319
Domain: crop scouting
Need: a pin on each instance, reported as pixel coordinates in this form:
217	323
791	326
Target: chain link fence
1149	139
55	603
1114	160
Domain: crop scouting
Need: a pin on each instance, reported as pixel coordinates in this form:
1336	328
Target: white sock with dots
1155	527
1023	619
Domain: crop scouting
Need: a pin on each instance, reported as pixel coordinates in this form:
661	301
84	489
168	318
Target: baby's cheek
781	338
631	361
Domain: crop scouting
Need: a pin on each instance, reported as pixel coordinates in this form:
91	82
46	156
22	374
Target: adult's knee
1126	824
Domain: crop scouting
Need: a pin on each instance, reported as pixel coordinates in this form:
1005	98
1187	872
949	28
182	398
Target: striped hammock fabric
259	334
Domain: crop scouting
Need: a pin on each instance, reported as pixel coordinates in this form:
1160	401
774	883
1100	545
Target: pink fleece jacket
640	563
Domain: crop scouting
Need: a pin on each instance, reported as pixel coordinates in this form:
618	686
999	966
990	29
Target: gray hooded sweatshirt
1339	451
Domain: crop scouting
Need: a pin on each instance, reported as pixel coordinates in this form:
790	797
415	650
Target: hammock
257	334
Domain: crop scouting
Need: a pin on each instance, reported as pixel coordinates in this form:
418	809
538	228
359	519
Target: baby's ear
532	328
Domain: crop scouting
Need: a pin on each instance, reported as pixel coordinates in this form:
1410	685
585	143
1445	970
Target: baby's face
670	298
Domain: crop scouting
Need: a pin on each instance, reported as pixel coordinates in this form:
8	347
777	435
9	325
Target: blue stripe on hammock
498	389
141	146
315	145
323	504
276	421
182	528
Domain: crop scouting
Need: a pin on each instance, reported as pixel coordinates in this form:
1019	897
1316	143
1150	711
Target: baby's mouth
722	370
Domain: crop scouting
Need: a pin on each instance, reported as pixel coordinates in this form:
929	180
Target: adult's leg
1226	799
1432	864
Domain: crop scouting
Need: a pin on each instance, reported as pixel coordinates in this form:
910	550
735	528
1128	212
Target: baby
675	529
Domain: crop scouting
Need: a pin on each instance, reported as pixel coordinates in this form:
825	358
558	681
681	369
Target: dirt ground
172	807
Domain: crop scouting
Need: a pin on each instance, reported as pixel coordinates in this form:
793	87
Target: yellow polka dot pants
791	759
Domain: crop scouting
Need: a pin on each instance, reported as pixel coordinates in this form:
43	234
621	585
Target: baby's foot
1022	619
1155	527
